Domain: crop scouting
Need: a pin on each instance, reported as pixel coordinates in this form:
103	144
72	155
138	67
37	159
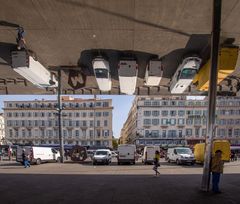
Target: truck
38	155
223	145
126	154
149	154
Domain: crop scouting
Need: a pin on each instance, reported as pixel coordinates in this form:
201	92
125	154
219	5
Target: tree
115	143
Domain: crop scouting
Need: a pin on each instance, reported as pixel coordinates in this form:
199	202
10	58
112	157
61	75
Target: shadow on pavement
132	189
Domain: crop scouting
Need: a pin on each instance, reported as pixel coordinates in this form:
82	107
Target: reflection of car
184	75
101	71
127	72
103	156
153	73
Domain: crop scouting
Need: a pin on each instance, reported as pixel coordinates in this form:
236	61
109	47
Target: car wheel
38	162
178	162
134	163
192	163
58	160
168	161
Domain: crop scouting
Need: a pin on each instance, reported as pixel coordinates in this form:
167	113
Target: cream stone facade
179	120
84	121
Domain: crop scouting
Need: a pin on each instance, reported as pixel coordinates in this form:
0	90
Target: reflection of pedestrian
25	159
217	170
10	153
156	162
20	38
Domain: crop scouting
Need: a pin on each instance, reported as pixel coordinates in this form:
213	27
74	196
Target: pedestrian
25	159
156	162
217	170
20	38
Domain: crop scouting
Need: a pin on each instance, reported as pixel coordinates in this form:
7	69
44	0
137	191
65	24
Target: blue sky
121	104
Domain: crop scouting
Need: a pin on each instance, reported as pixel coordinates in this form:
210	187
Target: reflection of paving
88	184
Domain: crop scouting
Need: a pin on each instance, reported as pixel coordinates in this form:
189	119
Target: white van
180	155
149	154
38	154
184	75
127	73
126	153
153	73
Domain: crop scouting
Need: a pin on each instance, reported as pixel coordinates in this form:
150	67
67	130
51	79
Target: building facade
2	129
84	121
179	120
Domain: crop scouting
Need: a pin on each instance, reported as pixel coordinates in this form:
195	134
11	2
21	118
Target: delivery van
223	145
149	154
180	155
38	155
126	154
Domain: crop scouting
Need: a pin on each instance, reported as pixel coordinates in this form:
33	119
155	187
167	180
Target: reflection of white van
180	155
149	154
184	75
126	153
153	73
38	155
102	73
127	73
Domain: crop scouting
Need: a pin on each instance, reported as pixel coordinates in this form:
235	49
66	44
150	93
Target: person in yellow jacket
156	163
217	170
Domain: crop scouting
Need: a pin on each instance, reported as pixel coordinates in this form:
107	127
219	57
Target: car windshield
188	73
101	73
101	153
184	151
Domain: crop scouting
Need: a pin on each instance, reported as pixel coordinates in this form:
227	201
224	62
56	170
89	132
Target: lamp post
59	109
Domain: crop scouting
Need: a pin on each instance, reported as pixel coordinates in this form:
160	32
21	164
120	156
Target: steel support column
59	109
212	92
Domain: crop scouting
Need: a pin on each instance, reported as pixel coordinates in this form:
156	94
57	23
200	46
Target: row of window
55	105
230	132
90	143
54	123
189	103
174	112
51	133
173	121
173	103
51	114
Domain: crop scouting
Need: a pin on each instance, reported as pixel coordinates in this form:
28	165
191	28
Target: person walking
25	159
156	162
217	170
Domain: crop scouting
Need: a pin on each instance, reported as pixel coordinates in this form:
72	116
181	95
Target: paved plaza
84	183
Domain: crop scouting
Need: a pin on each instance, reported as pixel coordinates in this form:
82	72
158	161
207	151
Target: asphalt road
84	183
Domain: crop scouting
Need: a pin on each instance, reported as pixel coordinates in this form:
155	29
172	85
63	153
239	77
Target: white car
184	75
180	155
153	73
127	72
102	73
103	156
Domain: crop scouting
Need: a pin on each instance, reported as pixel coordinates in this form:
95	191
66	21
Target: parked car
149	153
127	72
180	155
38	155
184	75
102	73
90	153
126	154
114	154
153	73
103	156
